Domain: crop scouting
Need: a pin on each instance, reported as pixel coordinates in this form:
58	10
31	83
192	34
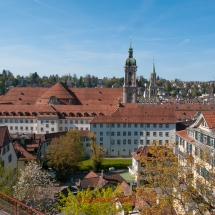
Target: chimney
102	174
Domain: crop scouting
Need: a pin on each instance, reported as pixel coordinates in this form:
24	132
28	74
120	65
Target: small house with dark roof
7	152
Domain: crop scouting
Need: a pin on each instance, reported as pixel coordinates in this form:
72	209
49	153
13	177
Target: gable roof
5	138
210	119
183	134
22	153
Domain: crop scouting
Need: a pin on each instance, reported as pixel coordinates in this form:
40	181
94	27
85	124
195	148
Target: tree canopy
66	152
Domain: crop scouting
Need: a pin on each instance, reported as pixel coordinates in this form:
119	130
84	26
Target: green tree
66	152
94	202
8	178
97	151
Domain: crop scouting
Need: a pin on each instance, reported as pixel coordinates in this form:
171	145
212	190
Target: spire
153	66
130	51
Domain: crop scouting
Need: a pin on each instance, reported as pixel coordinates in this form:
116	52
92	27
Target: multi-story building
127	129
195	150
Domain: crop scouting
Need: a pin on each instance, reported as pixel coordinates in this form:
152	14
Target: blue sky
93	37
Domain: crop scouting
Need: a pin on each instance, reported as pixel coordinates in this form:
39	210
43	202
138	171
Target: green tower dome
130	60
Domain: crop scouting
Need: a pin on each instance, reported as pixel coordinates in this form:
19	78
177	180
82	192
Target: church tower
129	87
152	87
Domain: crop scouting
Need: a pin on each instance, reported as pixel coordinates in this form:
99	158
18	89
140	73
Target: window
70	121
135	125
141	142
129	125
141	125
11	127
21	121
61	129
112	142
118	142
148	125
118	125
3	151
160	134
65	121
9	158
60	121
66	128
0	120
101	138
135	141
124	125
112	134
31	128
141	133
148	142
101	133
112	125
167	134
107	125
94	125
16	120
26	121
135	133
154	125
108	133
101	125
167	141
101	144
147	133
160	142
124	142
160	126
16	127
26	128
5	120
21	128
31	121
76	121
41	129
47	125
129	141
124	133
11	120
154	134
167	125
129	133
52	129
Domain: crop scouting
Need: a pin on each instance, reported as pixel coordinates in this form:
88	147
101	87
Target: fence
9	205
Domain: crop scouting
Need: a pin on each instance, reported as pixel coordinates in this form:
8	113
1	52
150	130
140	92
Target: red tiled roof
4	136
91	174
210	119
183	134
22	153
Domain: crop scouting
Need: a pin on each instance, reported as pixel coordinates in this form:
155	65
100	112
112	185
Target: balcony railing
9	205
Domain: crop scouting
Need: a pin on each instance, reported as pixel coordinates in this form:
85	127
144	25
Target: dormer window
70	114
93	114
5	113
19	114
33	114
41	113
86	114
26	113
63	115
101	114
77	114
12	113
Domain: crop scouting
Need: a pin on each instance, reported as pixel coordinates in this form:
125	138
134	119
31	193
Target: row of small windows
134	125
141	142
16	121
74	121
124	133
204	139
16	128
25	113
71	128
81	115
